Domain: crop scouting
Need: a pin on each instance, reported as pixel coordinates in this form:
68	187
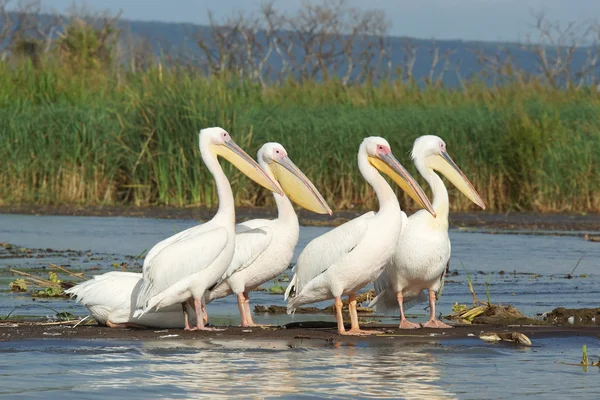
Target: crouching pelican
110	298
347	258
180	268
264	248
423	249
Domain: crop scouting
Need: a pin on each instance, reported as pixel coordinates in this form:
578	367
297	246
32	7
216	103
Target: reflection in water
273	369
61	369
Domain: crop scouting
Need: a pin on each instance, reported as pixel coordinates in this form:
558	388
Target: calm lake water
189	369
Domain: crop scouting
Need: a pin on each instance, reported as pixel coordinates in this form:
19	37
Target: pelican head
431	151
274	159
218	142
380	155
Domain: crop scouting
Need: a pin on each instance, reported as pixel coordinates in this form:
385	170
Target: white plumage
179	269
423	249
264	248
347	258
110	298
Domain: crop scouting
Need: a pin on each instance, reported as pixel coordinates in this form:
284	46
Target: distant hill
170	36
179	39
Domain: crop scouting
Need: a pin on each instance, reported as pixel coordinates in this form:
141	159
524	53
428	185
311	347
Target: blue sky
440	19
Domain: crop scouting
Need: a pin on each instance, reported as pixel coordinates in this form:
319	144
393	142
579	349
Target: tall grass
84	138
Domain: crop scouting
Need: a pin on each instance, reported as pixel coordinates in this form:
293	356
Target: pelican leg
249	312
247	309
123	325
198	306
404	323
338	316
186	317
242	309
355	328
204	314
433	322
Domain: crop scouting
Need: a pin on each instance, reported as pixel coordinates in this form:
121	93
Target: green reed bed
92	138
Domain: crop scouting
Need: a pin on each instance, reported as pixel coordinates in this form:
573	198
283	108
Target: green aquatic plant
54	291
50	287
584	356
52	277
18	285
276	289
487	291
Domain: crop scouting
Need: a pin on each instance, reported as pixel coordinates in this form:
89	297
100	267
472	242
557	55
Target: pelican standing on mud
180	268
345	259
423	249
264	248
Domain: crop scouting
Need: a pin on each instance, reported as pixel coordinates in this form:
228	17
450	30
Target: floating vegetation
485	312
18	285
585	360
51	287
276	289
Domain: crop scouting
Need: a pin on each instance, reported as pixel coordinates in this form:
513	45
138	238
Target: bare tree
319	41
555	47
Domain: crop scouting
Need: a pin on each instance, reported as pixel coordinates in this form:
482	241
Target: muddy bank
297	331
480	220
576	316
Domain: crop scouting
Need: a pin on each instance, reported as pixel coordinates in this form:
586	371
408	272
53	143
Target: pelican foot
359	332
434	323
211	329
205	329
126	325
406	324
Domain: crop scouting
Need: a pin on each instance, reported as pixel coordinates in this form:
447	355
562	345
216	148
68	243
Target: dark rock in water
273	309
283	310
311	325
513	337
575	316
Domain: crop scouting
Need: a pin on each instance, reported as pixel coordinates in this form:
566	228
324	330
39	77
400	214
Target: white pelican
347	258
423	249
264	248
110	298
179	269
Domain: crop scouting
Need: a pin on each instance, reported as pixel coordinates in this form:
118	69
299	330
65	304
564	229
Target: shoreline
22	330
518	221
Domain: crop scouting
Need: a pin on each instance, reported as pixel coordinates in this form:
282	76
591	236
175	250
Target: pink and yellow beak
298	187
389	165
444	164
246	164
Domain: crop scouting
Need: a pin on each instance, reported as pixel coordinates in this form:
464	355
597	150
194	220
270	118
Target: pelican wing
326	250
112	289
179	260
107	295
158	247
249	245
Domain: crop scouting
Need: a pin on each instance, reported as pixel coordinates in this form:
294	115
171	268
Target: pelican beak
444	164
389	165
298	187
242	161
